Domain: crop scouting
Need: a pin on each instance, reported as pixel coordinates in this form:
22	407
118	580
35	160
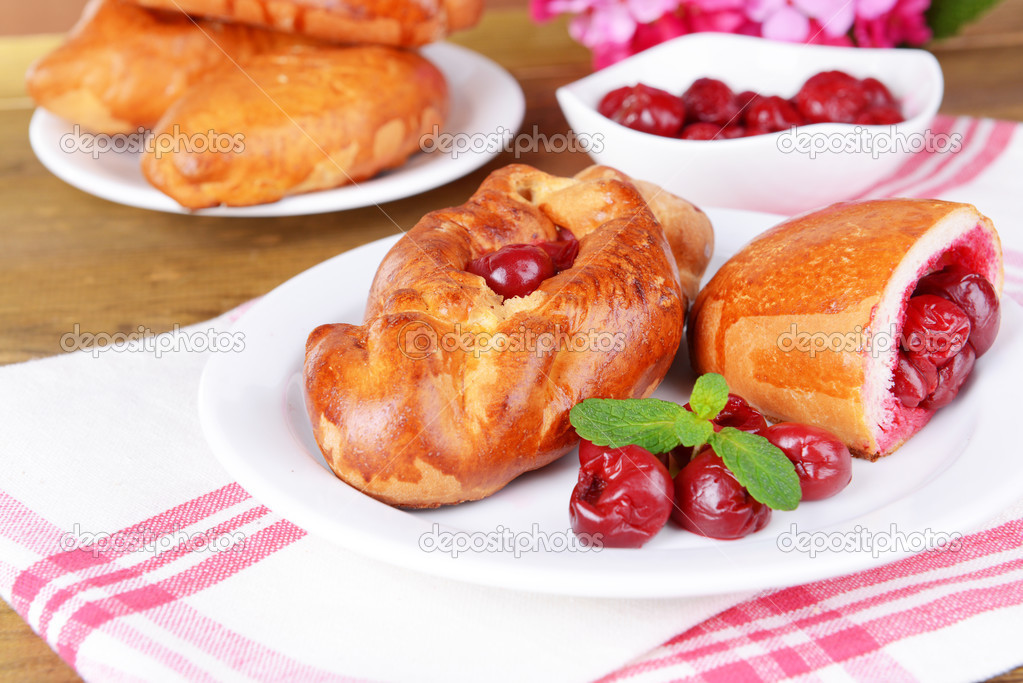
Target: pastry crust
305	119
122	66
398	23
797	321
419	407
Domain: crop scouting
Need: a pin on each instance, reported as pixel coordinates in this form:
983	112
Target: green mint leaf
760	466
692	430
647	422
710	394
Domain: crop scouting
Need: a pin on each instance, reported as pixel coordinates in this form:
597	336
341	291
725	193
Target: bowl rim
569	98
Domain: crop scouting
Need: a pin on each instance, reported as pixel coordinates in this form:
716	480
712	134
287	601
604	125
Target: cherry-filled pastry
864	318
487	322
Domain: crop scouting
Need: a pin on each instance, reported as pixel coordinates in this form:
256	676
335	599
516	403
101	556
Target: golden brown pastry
399	23
454	419
122	66
805	322
306	119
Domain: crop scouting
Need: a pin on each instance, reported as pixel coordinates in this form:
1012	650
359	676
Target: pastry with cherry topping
462	375
862	317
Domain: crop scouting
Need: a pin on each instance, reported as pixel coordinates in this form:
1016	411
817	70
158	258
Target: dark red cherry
646	109
877	93
623	496
741	415
772	114
935	329
514	270
823	463
701	131
831	96
710	501
708	100
974	295
879	116
951	377
915	379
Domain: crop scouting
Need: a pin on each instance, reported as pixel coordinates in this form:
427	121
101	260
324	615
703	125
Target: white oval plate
485	101
960	470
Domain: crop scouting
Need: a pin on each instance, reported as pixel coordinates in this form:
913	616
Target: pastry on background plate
399	23
863	317
487	322
122	65
299	120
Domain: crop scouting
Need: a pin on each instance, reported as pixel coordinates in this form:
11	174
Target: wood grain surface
69	258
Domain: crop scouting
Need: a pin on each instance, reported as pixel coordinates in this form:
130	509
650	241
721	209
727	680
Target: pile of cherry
951	319
709	110
626	495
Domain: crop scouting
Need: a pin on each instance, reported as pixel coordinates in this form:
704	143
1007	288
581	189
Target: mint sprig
660	426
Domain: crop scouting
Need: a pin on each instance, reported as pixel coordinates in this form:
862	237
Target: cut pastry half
807	321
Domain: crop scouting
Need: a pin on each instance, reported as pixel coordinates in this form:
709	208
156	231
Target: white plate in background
485	101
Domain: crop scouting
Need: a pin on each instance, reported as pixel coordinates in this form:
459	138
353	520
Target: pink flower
902	24
790	20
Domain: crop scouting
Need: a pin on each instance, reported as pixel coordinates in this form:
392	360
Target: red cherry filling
823	463
518	269
972	293
951	377
623	494
915	380
709	500
950	313
935	329
646	109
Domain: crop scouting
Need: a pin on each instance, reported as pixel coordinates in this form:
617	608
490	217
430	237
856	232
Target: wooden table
67	257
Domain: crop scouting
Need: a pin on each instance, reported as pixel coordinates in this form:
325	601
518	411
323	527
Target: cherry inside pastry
450	389
863	318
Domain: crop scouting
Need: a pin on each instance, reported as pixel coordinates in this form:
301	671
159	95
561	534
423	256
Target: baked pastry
807	321
399	23
306	119
424	404
122	66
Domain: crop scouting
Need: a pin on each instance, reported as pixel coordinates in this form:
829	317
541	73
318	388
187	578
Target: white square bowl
784	172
